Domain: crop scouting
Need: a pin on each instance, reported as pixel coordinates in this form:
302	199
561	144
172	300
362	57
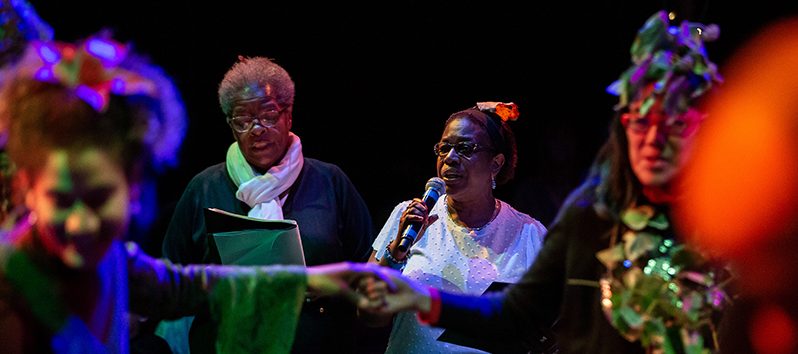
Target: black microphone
435	188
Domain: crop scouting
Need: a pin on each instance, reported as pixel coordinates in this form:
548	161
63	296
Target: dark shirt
561	286
334	225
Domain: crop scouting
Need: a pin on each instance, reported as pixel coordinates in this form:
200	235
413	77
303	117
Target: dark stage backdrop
376	80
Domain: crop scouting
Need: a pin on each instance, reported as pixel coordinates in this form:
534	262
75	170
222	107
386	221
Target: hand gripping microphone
435	188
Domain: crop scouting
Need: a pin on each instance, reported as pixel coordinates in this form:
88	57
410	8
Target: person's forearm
464	312
159	288
494	321
393	257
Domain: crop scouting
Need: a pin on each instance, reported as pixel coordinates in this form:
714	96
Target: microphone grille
437	184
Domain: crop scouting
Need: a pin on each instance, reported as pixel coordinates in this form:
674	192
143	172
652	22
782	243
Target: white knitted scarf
262	192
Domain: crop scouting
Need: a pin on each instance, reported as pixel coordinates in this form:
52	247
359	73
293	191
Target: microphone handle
408	237
411	231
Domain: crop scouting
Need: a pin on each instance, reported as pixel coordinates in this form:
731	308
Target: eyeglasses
265	118
681	125
463	149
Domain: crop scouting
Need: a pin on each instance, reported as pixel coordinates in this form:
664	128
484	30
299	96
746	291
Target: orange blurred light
741	187
772	331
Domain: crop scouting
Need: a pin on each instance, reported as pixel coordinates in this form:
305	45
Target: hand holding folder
244	240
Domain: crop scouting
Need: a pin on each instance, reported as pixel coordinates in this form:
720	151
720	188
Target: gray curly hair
260	71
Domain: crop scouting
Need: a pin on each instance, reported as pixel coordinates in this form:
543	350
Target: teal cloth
175	332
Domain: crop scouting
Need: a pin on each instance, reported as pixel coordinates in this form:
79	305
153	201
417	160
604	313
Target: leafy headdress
673	60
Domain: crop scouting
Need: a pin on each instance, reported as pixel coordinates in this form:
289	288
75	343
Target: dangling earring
492	182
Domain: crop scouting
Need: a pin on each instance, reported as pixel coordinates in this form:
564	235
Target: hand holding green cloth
255	309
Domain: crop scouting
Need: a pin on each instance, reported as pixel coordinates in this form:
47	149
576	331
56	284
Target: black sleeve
161	289
185	227
355	224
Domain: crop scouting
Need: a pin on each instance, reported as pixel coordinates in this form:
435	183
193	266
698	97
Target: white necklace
496	208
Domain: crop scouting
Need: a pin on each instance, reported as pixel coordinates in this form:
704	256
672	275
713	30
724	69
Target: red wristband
431	318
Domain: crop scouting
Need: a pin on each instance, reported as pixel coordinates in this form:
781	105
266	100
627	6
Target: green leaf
693	342
650	37
631	317
610	257
692	305
659	222
654	333
637	218
631	277
640	244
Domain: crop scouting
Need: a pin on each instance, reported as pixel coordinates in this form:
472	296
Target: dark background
376	80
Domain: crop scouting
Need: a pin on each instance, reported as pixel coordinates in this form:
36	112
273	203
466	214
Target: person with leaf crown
613	275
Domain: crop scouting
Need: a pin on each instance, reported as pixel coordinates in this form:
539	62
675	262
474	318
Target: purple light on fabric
109	53
614	89
717	297
640	73
118	86
91	96
29	23
45	74
48	54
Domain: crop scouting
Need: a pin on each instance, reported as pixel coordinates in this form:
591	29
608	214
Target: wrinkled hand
342	278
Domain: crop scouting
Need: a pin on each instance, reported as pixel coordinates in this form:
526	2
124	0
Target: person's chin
453	184
656	179
260	158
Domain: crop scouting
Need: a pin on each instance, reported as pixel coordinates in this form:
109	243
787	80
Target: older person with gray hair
265	175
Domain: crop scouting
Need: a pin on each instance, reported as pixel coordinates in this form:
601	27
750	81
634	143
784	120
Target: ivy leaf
639	244
692	342
654	333
610	257
637	218
667	344
631	317
692	305
632	277
659	222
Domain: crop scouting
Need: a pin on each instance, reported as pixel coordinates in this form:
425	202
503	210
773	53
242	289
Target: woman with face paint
81	119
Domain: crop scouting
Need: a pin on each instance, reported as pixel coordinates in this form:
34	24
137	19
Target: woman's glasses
463	149
265	118
681	125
